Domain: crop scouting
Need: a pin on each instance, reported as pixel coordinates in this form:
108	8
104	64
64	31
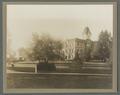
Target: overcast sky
60	21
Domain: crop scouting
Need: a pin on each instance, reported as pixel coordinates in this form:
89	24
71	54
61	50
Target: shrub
46	67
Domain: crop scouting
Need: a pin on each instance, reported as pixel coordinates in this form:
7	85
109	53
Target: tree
104	45
24	53
58	49
79	56
88	48
44	47
94	52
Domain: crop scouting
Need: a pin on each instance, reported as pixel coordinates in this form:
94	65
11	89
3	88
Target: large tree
104	45
45	47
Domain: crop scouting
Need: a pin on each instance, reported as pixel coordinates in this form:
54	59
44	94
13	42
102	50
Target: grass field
67	68
29	79
58	81
82	70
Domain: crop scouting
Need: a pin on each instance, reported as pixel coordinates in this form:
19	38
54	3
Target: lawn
58	81
42	80
66	68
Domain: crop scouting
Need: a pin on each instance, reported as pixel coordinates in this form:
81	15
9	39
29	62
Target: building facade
73	47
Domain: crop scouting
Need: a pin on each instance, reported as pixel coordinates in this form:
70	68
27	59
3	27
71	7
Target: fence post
35	68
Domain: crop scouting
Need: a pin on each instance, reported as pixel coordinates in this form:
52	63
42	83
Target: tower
87	33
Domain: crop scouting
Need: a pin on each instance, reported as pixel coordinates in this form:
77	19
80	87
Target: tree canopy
104	46
45	47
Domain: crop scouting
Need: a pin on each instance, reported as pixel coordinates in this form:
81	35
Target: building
72	47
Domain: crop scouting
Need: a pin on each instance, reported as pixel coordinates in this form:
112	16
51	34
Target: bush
46	67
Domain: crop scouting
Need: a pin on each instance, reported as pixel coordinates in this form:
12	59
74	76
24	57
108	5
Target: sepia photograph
60	47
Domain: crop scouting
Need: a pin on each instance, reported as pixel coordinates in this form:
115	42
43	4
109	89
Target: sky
59	21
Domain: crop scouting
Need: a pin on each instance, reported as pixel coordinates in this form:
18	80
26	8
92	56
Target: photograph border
114	76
